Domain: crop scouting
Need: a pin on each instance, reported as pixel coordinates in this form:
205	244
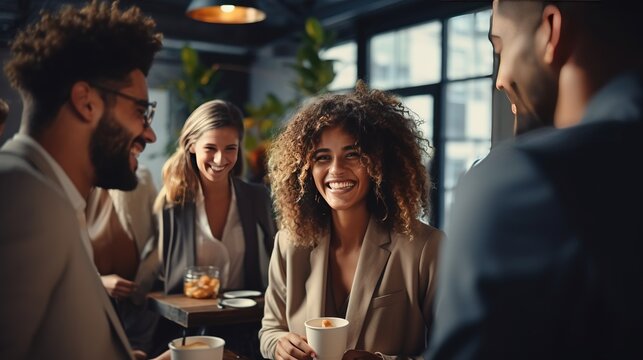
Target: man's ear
86	101
551	18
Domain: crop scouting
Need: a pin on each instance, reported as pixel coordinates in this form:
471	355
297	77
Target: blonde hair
180	172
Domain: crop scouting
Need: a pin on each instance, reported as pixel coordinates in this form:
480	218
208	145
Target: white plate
241	294
238	303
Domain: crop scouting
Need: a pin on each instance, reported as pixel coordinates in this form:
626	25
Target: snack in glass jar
201	282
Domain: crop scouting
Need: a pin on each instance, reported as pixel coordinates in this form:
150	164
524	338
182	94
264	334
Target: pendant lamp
225	11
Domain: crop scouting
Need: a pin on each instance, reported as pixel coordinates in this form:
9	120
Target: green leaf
315	31
207	76
190	60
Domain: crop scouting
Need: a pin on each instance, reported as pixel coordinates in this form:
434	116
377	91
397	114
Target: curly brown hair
391	148
94	43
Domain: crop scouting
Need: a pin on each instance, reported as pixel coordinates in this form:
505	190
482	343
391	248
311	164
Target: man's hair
96	42
4	111
611	22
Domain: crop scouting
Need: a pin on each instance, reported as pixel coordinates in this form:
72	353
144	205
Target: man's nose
149	135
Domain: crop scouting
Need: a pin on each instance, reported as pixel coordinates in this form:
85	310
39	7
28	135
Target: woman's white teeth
217	168
341	185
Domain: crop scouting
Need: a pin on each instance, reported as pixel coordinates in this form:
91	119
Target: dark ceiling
284	18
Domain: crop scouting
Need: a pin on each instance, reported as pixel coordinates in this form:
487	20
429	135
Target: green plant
196	85
313	76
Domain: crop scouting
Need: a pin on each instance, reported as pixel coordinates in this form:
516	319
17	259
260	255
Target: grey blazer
53	302
391	300
179	243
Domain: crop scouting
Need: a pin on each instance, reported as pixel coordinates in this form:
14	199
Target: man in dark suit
81	75
543	258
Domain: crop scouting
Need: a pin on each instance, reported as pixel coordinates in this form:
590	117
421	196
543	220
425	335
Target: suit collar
27	148
316	283
372	262
619	99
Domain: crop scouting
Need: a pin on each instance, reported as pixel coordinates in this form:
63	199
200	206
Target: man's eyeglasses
150	107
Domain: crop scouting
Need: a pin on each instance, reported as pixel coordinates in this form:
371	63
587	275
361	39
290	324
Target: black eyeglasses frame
150	106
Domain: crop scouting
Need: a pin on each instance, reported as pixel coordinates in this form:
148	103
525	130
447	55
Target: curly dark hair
391	148
94	43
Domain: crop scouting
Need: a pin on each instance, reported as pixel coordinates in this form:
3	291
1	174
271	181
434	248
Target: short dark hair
96	42
4	111
606	22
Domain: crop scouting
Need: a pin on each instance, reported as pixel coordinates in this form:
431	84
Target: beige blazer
53	304
391	300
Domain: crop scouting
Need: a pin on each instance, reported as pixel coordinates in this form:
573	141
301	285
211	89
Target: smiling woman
207	215
349	185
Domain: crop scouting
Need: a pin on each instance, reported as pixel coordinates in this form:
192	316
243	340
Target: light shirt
72	193
227	253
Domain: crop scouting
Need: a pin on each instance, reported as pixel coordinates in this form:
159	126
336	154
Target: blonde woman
349	185
209	215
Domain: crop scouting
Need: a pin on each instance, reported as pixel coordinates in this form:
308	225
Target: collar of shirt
72	193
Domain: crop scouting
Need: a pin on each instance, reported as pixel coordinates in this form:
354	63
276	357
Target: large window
406	57
345	65
442	70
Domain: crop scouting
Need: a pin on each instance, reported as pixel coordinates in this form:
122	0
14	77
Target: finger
287	351
125	284
301	344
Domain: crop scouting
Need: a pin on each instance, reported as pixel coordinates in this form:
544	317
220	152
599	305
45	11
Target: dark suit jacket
179	241
53	305
544	256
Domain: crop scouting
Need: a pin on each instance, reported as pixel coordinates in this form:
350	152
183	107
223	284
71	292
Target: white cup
197	348
329	343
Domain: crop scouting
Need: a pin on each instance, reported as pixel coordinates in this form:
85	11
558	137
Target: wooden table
190	313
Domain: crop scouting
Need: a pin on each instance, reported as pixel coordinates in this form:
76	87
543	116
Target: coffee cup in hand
327	336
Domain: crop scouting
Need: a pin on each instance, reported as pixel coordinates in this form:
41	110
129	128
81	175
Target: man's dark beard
527	123
110	151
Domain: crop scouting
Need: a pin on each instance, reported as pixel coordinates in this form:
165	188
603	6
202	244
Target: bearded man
81	75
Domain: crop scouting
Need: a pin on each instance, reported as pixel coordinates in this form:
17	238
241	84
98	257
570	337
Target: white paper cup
214	351
329	343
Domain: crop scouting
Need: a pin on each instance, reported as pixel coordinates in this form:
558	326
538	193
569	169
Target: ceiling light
225	11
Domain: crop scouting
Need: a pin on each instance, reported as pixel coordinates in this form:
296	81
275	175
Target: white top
72	193
228	253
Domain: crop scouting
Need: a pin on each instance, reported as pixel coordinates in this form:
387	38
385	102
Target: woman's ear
86	102
191	149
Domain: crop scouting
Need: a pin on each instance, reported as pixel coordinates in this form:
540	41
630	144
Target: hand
117	287
165	356
139	355
360	355
292	346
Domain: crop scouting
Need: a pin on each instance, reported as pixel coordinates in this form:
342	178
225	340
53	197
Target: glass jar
201	282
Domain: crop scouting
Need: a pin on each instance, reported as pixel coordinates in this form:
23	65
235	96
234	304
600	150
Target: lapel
115	322
316	283
372	262
26	151
35	158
